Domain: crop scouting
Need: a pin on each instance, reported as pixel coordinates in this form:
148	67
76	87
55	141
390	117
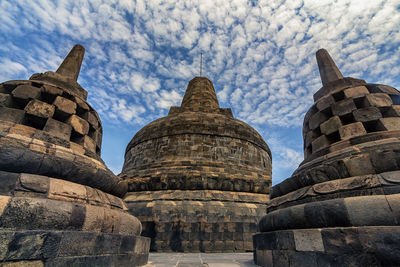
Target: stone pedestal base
339	246
198	220
46	221
72	248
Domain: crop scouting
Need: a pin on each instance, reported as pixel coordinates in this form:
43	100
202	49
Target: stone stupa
199	179
341	207
59	204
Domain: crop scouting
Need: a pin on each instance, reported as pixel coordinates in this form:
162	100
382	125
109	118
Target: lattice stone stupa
59	204
341	206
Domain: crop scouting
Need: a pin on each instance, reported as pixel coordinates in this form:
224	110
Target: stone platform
200	260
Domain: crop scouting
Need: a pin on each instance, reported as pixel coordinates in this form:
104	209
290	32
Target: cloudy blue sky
140	56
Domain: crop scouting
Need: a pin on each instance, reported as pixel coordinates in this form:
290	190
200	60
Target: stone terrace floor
200	260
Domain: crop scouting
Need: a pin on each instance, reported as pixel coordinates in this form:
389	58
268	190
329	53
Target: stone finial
66	76
71	65
328	70
200	94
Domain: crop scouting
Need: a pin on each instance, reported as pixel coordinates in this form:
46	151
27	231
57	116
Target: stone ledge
27	213
340	212
31	185
376	184
201	195
61	248
342	246
71	169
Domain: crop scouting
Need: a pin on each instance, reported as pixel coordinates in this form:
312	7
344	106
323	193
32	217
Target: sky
260	56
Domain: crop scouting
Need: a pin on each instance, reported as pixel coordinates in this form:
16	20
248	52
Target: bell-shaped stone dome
339	208
55	190
199	152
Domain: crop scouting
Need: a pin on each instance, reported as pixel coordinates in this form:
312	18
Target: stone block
26	92
3	203
78	124
369	210
49	93
308	240
52	90
53	214
317	119
39	109
384	161
34	183
26	245
389	124
6	100
359	165
22	130
325	102
86	142
320	143
330	126
97	137
5	239
8	181
393	111
378	100
354	92
343	107
64	106
351	130
367	114
78	243
77	149
111	221
66	191
12	115
91	118
82	107
57	128
388	89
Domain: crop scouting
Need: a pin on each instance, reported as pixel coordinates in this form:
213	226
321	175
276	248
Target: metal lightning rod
201	63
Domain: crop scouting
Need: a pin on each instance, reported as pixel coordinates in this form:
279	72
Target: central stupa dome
198	153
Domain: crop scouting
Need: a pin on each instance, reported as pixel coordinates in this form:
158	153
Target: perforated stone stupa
199	179
341	206
59	204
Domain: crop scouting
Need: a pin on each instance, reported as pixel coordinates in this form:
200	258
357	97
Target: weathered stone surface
12	115
57	128
39	109
79	125
330	126
320	143
327	68
91	118
367	114
22	130
86	142
357	91
317	119
6	100
394	111
389	124
325	102
51	90
343	107
378	100
64	106
26	92
351	130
